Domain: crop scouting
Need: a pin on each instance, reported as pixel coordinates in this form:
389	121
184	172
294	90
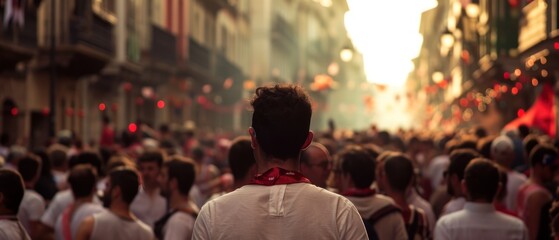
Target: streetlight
447	39
346	54
472	10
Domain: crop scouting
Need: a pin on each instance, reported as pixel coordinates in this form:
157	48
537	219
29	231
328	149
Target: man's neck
287	164
83	200
150	189
399	198
178	201
535	178
29	185
121	209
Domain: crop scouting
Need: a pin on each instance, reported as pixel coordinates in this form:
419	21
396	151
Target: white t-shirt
31	208
480	221
148	208
60	202
179	226
279	212
80	214
391	226
60	178
454	205
12	229
514	181
107	225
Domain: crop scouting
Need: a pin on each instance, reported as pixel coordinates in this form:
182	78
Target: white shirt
391	226
418	202
514	181
480	221
80	214
279	212
31	208
60	178
107	225
60	202
454	205
12	229
436	168
148	208
180	225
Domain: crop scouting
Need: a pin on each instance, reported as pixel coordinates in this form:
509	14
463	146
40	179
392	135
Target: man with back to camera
118	222
279	203
32	205
479	219
82	180
354	172
11	194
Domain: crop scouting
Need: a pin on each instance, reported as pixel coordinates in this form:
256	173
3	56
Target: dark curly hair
281	120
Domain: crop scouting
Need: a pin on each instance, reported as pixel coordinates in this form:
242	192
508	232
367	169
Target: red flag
541	115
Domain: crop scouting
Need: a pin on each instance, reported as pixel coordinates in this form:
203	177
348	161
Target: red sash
66	220
277	176
359	192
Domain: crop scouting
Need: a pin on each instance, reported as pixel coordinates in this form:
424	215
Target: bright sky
387	34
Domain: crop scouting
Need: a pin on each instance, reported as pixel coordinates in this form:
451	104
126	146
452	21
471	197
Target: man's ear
464	187
308	141
252	134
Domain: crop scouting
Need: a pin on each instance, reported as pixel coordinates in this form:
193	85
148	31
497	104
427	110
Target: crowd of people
283	181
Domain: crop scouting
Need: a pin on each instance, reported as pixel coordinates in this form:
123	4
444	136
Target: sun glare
387	34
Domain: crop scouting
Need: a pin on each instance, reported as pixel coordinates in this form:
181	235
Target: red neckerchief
359	192
276	176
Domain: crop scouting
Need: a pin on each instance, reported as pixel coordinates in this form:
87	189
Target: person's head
484	146
502	151
45	162
530	142
122	186
316	164
544	162
58	156
11	192
149	165
29	167
481	180
398	173
354	168
480	132
177	176
523	130
106	120
87	158
82	180
241	159
280	122
379	169
198	154
459	159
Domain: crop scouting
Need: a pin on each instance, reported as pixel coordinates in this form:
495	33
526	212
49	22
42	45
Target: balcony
96	34
283	33
163	46
198	54
18	43
224	69
87	49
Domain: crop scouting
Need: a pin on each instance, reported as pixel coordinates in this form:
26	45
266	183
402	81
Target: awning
541	115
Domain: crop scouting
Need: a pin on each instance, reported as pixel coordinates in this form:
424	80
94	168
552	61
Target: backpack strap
412	230
160	224
382	212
